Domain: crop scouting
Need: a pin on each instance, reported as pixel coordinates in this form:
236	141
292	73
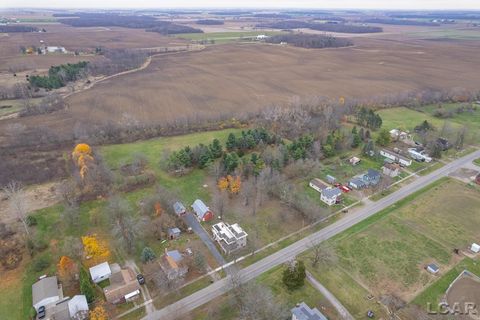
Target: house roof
100	270
121	283
175	255
304	312
391	166
44	288
228	233
200	208
373	173
173	230
331	192
357	181
77	304
319	184
433	267
178	207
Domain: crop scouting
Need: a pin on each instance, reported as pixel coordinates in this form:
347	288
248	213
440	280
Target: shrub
31	221
41	263
294	275
147	255
86	286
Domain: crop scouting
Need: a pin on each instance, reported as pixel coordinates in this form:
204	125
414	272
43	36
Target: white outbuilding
100	272
475	248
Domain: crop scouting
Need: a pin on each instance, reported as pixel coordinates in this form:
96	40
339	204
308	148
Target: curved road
218	288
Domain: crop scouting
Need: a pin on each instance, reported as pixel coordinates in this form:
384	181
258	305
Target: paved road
342	311
198	229
220	287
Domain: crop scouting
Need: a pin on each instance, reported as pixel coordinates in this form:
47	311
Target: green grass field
223	37
448	34
387	252
406	119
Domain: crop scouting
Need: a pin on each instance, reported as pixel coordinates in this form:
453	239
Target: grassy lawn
384	253
406	119
223	37
477	161
11	106
392	252
454	34
308	294
434	292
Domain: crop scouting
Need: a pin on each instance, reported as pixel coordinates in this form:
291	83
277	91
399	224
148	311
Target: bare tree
219	202
258	303
125	228
17	202
322	253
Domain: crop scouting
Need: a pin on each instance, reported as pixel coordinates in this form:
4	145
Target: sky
321	4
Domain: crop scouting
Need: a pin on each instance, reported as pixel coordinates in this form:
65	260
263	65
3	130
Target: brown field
237	78
74	39
466	289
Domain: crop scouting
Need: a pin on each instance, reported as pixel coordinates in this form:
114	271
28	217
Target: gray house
357	183
371	178
303	312
173	233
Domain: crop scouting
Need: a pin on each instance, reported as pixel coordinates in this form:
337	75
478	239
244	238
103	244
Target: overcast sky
367	4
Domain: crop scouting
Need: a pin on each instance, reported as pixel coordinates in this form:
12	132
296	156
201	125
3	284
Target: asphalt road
193	223
218	288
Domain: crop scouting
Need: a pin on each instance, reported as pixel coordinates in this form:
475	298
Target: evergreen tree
86	287
294	275
361	133
231	143
216	149
230	161
356	140
147	255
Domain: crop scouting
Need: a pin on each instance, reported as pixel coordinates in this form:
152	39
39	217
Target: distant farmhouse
391	169
230	237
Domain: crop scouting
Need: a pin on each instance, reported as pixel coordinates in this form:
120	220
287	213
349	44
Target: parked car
41	312
140	279
345	188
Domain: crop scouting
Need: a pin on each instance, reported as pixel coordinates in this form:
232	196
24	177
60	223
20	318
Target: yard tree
216	149
199	262
222	184
95	249
72	247
361	133
369	148
71	214
98	313
147	255
356	139
383	138
323	254
294	275
256	302
234	184
231	161
17	202
66	268
125	228
86	287
231	143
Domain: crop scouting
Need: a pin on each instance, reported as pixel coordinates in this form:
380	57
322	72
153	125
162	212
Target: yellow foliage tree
66	267
82	155
222	184
234	184
98	313
95	250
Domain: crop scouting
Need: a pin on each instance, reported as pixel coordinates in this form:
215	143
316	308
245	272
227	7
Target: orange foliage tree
66	267
95	250
98	313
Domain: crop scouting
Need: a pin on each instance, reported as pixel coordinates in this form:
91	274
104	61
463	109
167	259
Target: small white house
391	169
318	185
475	248
330	196
354	161
262	37
53	49
100	272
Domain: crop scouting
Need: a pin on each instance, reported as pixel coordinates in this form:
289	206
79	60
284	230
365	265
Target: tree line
149	23
17	28
59	76
210	22
340	27
310	40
